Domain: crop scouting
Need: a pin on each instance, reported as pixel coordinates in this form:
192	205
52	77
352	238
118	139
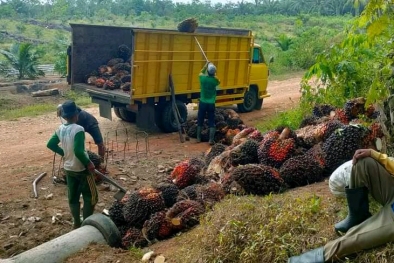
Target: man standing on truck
91	126
77	165
208	84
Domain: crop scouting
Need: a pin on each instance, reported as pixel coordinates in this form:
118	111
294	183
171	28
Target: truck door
68	65
259	71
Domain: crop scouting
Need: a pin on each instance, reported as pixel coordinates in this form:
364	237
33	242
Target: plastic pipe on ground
97	228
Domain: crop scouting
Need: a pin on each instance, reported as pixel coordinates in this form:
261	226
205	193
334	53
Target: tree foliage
80	9
23	58
361	65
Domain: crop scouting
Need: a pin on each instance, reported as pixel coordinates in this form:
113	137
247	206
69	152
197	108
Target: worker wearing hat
90	124
208	84
78	167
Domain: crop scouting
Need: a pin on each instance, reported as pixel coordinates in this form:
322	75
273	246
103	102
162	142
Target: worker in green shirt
77	165
208	84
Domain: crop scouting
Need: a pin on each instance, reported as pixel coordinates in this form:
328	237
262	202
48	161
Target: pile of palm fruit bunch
188	25
163	210
115	74
228	124
247	162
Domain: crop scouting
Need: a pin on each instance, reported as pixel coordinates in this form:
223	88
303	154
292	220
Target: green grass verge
11	108
270	229
291	118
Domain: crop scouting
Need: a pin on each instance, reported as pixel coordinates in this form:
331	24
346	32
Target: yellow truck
157	53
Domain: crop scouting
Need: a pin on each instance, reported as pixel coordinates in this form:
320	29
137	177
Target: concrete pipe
97	228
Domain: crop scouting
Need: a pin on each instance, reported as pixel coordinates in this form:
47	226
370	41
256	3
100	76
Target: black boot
313	256
199	129
212	132
357	200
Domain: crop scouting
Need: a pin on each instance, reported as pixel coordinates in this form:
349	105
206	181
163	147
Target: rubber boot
357	201
313	256
87	211
199	129
75	212
212	132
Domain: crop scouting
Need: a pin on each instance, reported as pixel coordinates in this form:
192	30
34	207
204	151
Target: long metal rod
202	51
35	183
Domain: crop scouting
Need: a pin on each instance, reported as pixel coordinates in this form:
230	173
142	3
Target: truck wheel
250	100
117	112
259	104
127	115
168	120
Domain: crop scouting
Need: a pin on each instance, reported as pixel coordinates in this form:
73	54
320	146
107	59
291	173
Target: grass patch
27	111
270	229
291	118
13	107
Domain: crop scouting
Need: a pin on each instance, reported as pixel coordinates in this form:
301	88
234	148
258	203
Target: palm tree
357	6
23	58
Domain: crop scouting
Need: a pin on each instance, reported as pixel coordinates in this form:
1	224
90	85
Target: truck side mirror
271	59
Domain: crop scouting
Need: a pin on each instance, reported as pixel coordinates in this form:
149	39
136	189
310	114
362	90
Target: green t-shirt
208	86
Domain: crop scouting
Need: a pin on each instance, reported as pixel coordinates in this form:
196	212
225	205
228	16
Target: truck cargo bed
114	95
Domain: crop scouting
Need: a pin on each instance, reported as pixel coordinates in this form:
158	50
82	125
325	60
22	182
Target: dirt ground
136	159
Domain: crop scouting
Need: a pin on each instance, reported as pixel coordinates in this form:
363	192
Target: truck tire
250	101
127	115
259	104
117	112
168	120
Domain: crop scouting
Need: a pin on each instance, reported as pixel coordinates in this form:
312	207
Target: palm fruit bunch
274	152
242	135
230	186
272	134
321	110
124	52
134	238
371	112
317	153
254	179
308	120
141	204
191	128
126	86
256	136
114	61
310	135
188	25
115	212
209	194
112	83
354	107
342	144
214	151
245	153
169	192
122	66
188	193
95	158
157	227
301	170
329	127
340	114
185	214
375	130
185	174
219	166
100	82
230	135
